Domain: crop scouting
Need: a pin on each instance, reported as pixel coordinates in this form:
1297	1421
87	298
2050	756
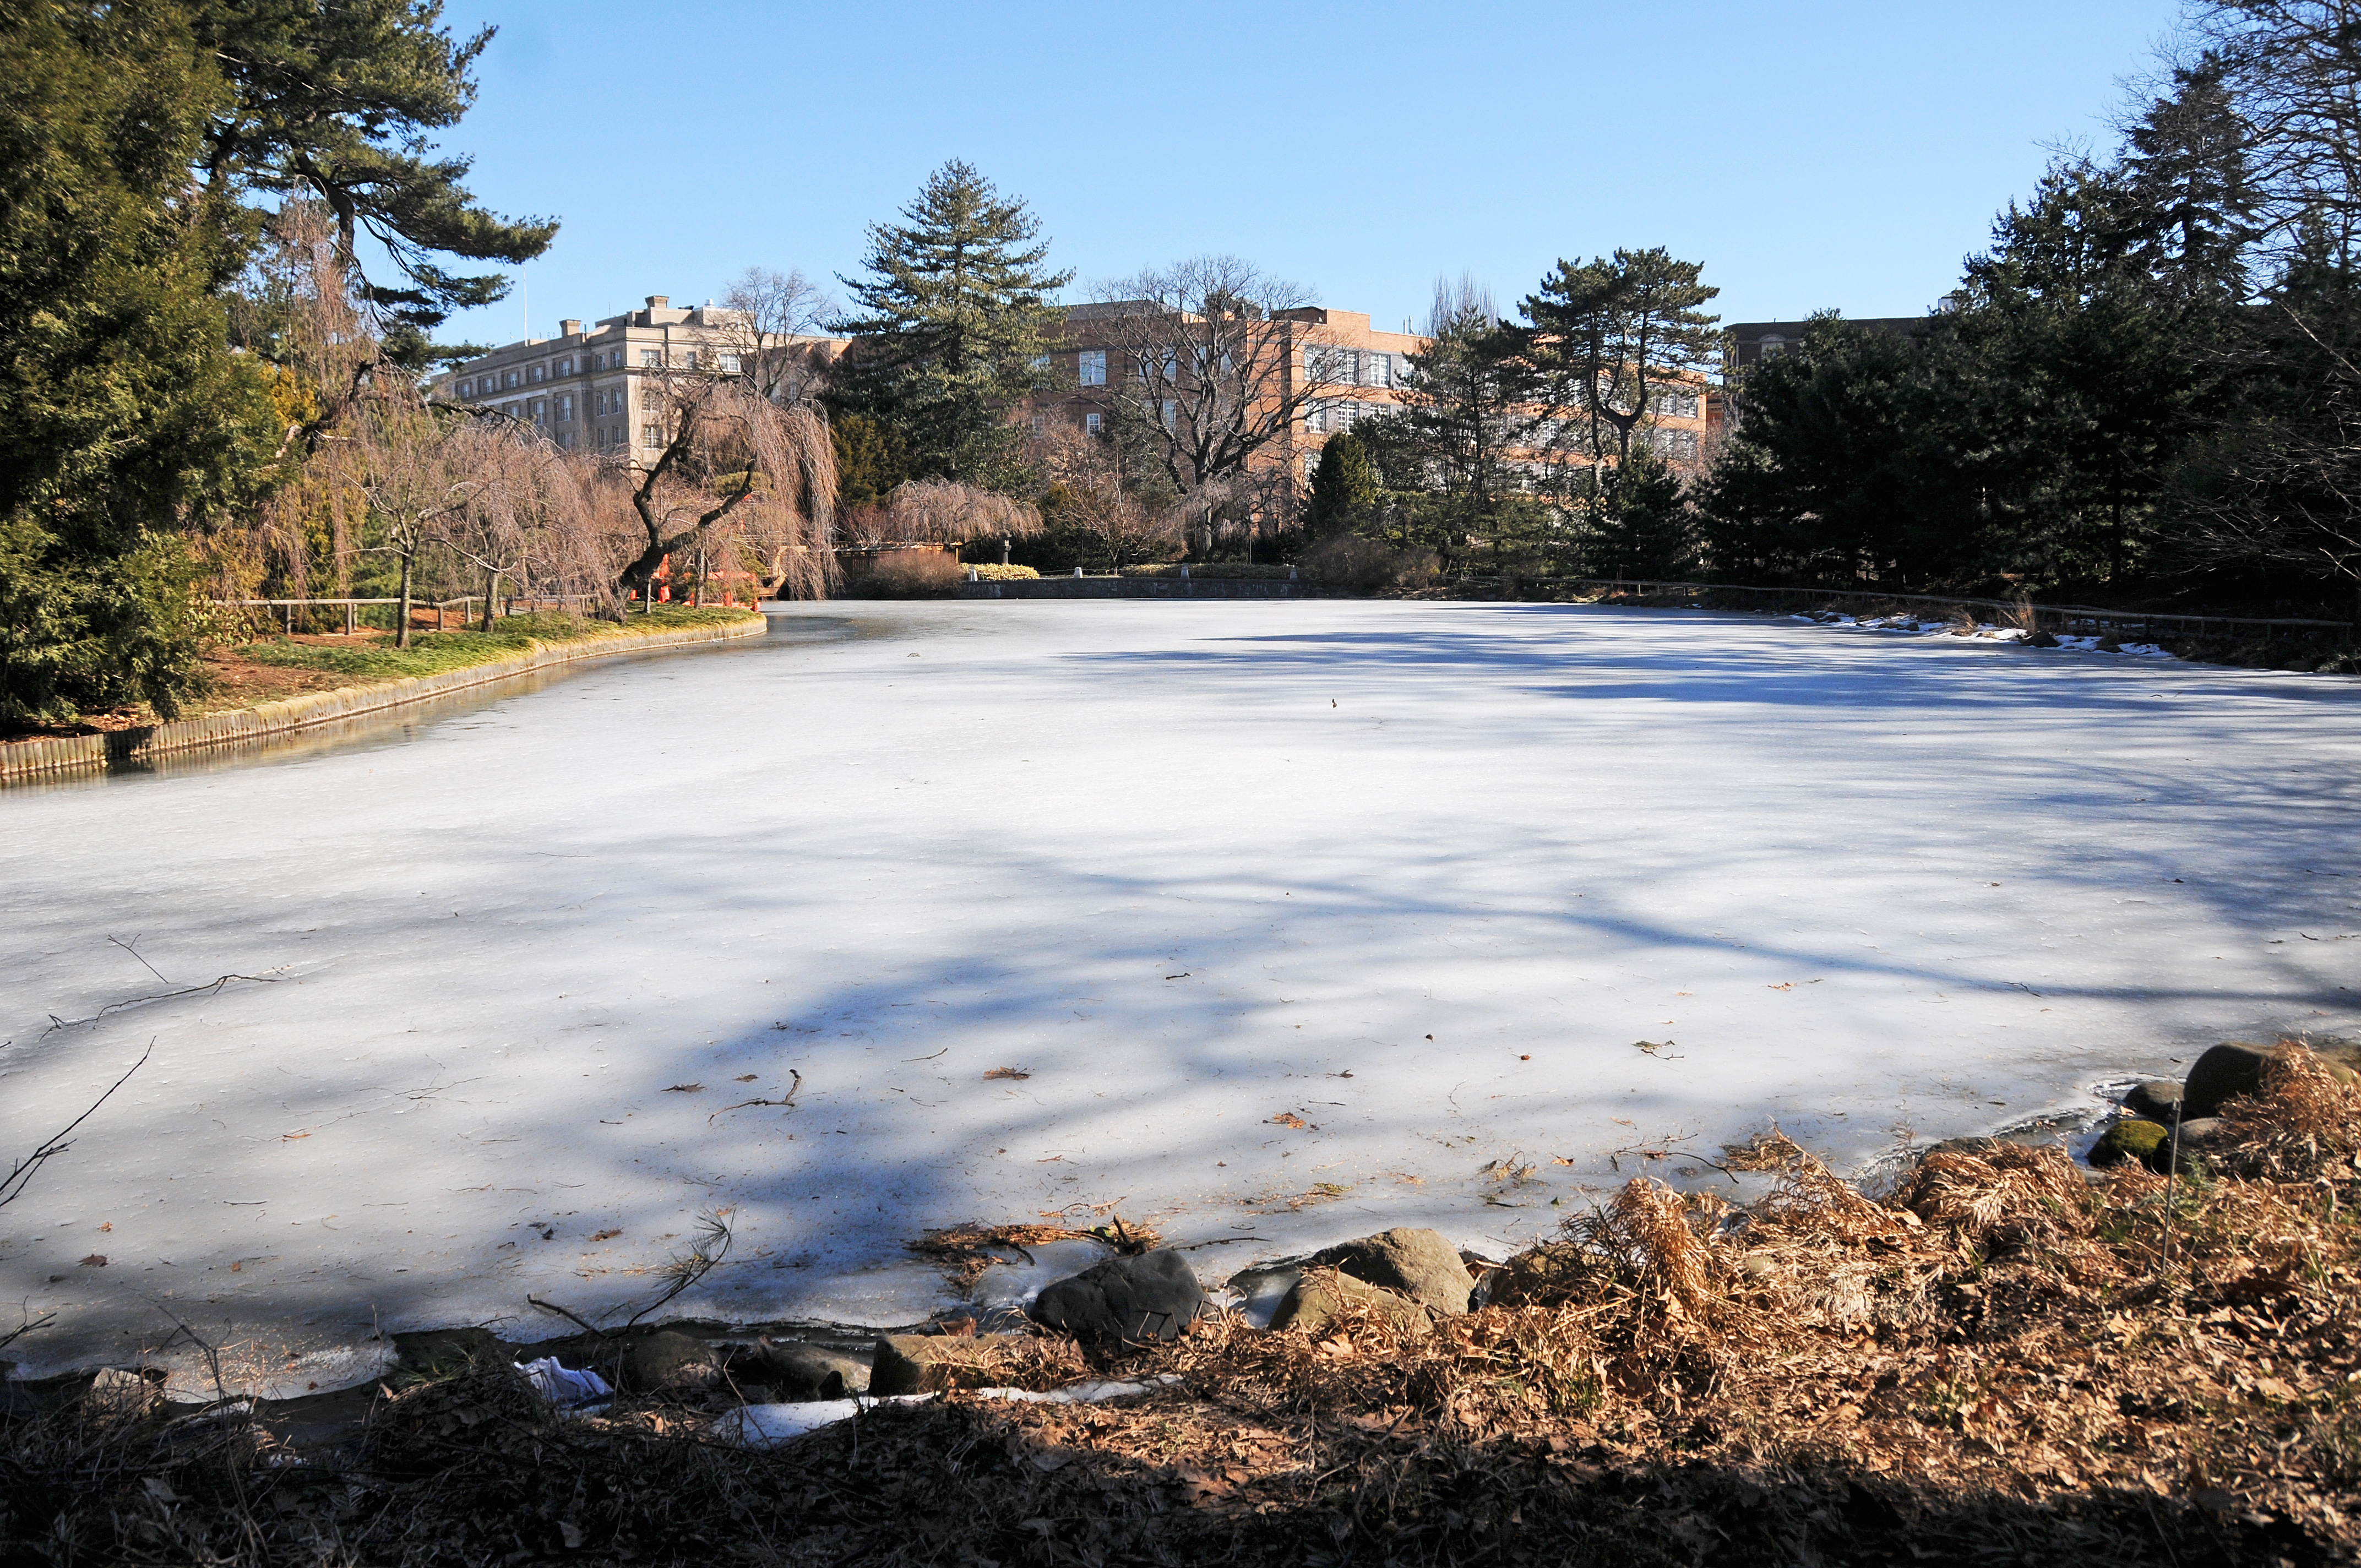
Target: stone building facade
600	390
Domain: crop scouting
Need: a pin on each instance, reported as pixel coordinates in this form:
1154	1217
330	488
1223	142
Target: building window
540	411
1093	366
652	437
566	367
1773	346
728	364
1673	405
1172	414
1340	366
1093	423
690	360
467	388
651	358
565	407
1679	444
508	379
1376	369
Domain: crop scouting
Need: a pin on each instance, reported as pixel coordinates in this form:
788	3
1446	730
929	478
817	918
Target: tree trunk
696	592
402	614
491	597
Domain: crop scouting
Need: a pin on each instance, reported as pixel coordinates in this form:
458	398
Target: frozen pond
1420	876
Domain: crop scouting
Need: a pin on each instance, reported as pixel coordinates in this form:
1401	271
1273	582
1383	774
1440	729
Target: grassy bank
436	652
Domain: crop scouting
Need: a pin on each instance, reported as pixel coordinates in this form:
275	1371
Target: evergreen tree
1344	487
953	324
123	414
867	466
2189	180
1610	332
1466	406
1646	525
338	103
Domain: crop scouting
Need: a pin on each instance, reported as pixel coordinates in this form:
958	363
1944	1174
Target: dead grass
1998	1364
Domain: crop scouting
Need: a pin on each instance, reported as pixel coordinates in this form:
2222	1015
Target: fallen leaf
291	1137
1789	986
1560	1159
95	1260
743	1078
106	1225
605	1235
1006	1072
685	1089
1289	1119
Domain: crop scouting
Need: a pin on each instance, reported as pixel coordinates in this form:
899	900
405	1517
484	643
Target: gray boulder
1317	1298
800	1371
2235	1067
1420	1264
928	1364
2158	1101
670	1360
1142	1297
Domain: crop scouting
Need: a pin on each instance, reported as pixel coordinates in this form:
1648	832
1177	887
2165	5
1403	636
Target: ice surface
1416	875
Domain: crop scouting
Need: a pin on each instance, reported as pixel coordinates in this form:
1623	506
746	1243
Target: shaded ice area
1416	875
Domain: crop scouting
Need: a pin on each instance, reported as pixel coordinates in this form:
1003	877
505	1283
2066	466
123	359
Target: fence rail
2075	617
509	603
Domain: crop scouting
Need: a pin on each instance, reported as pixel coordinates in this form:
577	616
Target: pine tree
954	319
122	413
338	103
2190	180
1344	487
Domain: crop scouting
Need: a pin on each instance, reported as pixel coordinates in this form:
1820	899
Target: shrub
996	573
1257	571
913	574
1366	565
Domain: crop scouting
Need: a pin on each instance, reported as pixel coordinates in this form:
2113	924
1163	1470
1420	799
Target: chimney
569	327
658	302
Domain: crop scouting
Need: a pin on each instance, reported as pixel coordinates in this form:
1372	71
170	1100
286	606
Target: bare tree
417	473
944	511
736	461
1206	370
1097	497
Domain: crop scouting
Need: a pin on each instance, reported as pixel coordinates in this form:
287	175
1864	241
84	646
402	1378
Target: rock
2131	1141
670	1360
1146	1296
798	1372
2156	1102
2040	640
1316	1299
2235	1067
928	1364
1418	1263
116	1394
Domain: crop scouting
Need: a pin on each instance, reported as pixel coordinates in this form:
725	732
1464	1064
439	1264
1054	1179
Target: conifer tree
954	318
1344	487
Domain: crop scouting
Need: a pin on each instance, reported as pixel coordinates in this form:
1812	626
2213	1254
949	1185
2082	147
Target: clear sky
1812	154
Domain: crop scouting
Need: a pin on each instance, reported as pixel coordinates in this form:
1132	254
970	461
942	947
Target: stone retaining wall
1136	589
50	757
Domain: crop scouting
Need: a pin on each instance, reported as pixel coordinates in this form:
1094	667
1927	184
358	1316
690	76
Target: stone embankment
61	756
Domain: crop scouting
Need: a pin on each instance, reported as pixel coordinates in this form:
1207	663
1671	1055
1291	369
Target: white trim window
727	364
1171	415
1093	423
1091	367
565	407
652	437
651	358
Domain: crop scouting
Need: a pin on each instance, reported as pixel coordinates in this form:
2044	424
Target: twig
132	947
13	1185
29	1325
789	1099
57	1023
552	1306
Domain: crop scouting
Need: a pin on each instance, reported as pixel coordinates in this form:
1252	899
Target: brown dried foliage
1997	1364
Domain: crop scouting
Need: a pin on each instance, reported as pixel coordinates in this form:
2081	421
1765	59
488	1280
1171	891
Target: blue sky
1826	154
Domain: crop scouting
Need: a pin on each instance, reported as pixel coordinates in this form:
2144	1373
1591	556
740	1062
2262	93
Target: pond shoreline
51	757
